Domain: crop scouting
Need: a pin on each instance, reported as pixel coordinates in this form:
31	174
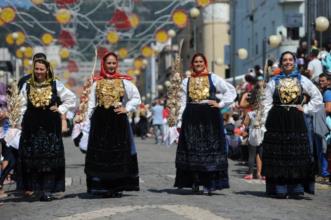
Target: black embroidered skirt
111	159
41	163
287	160
201	154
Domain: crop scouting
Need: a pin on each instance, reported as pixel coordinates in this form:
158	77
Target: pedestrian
321	141
41	162
157	120
142	124
256	130
287	160
111	164
201	158
315	67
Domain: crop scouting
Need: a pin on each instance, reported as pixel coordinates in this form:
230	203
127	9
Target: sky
16	3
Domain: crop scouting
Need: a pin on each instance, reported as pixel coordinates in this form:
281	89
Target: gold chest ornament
109	92
289	90
199	88
40	97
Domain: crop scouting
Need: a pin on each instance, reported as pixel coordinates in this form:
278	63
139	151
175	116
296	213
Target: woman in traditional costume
41	163
287	158
111	160
201	158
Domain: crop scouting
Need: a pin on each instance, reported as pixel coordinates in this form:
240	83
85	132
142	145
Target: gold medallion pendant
109	92
289	90
40	96
199	88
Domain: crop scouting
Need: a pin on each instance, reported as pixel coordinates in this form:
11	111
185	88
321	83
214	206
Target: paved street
159	200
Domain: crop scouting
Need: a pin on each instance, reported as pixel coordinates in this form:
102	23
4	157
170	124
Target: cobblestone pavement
159	200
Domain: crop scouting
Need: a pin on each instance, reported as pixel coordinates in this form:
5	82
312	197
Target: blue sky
17	3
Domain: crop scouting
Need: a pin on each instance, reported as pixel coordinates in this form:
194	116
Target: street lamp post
194	13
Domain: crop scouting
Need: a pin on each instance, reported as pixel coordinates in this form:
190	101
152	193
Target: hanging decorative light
161	36
112	37
122	53
203	3
275	40
322	24
138	63
171	33
19	53
47	38
242	53
28	52
7	14
64	53
17	38
147	51
26	63
63	16
194	13
180	18
134	20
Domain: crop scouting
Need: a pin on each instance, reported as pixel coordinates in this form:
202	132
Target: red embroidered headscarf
104	73
205	71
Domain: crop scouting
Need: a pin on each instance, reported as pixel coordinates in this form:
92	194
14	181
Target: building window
293	33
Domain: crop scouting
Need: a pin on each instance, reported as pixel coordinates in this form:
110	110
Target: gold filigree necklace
109	92
199	88
289	90
40	95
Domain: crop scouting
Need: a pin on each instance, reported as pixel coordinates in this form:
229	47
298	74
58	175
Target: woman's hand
300	108
54	108
3	115
213	104
120	110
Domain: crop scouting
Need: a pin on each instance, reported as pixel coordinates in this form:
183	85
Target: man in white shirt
315	67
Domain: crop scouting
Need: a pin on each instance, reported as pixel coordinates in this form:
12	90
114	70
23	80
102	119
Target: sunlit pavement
158	199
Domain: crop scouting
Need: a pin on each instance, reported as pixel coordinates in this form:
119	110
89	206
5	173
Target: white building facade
253	21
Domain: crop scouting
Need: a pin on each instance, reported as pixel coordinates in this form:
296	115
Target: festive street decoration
47	38
121	20
17	38
180	18
66	39
203	3
7	15
161	36
63	16
122	53
64	53
134	20
113	37
147	51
